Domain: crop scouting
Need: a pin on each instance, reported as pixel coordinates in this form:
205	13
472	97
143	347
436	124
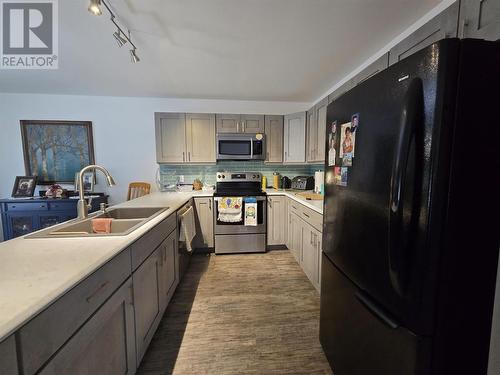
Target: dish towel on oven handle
230	209
251	211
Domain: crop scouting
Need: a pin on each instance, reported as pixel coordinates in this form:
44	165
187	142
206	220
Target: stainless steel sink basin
124	221
131	212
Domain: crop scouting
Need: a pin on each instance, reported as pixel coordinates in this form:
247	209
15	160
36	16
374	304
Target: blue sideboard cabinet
23	216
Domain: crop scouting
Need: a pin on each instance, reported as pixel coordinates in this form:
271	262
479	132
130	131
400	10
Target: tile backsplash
206	173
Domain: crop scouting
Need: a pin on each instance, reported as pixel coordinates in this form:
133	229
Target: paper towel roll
319	179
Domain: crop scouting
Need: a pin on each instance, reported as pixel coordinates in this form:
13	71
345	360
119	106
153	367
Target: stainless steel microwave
241	146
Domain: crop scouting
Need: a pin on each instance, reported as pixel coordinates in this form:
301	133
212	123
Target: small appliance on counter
303	183
286	183
276	180
319	182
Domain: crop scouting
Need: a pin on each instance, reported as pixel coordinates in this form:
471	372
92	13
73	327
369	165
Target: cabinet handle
189	155
89	298
267	156
306	215
131	288
464	25
210	205
311	241
183	156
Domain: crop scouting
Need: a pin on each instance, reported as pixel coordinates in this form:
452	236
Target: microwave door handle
251	148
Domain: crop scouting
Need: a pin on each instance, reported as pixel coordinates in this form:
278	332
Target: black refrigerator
411	229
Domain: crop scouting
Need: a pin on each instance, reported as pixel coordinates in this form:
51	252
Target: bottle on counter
264	183
276	180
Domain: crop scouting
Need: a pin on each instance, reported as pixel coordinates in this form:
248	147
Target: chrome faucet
83	207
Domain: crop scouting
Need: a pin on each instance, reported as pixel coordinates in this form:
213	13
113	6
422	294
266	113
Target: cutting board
311	196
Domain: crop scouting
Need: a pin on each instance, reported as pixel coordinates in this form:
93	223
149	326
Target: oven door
240	227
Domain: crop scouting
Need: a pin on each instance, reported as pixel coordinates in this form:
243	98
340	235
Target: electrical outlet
181	178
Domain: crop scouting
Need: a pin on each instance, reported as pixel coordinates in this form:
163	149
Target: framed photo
24	187
55	150
88	182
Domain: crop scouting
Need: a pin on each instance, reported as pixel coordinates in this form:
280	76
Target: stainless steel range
232	235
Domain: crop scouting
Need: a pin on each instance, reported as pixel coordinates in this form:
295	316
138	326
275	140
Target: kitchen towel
188	229
101	225
250	211
230	209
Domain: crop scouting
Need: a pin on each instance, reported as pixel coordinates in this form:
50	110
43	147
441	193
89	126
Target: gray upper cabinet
185	138
228	123
170	130
444	25
274	139
105	344
316	128
252	123
200	137
480	19
233	123
377	66
340	90
8	357
294	143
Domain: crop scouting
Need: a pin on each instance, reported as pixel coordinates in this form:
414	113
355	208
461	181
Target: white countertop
313	205
34	272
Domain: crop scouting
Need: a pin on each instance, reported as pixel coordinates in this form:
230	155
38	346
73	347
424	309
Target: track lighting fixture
120	40
120	36
95	7
133	56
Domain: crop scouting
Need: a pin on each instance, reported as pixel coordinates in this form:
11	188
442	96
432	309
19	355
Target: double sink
124	221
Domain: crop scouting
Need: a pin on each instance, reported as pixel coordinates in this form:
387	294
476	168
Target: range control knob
218	176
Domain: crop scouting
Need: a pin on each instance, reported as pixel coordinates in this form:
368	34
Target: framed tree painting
55	150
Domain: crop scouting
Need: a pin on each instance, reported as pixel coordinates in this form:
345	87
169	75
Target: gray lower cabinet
480	19
103	345
274	139
185	138
311	252
8	357
295	232
147	300
204	222
168	275
276	220
377	66
444	25
294	138
200	138
238	123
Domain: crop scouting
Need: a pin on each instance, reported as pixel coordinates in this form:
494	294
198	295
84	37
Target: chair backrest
138	189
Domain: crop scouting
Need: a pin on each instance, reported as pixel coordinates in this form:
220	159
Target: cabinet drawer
47	332
312	217
8	357
145	245
41	206
62	206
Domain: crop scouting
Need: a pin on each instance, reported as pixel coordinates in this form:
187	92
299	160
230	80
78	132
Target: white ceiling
281	50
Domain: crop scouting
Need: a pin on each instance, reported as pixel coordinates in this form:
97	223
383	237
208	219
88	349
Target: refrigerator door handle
376	311
411	119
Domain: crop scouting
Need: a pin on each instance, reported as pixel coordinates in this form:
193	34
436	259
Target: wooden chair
138	189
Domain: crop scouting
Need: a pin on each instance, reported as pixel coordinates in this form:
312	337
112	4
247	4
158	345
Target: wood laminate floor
240	314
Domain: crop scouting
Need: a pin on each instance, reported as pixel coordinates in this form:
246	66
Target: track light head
95	7
133	56
120	39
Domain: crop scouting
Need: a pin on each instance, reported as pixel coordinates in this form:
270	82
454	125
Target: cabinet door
20	224
228	123
274	139
276	220
444	25
295	138
168	269
252	124
8	357
147	301
375	67
311	133
342	89
480	19
310	254
204	222
289	232
320	117
53	218
200	138
296	229
170	131
105	344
